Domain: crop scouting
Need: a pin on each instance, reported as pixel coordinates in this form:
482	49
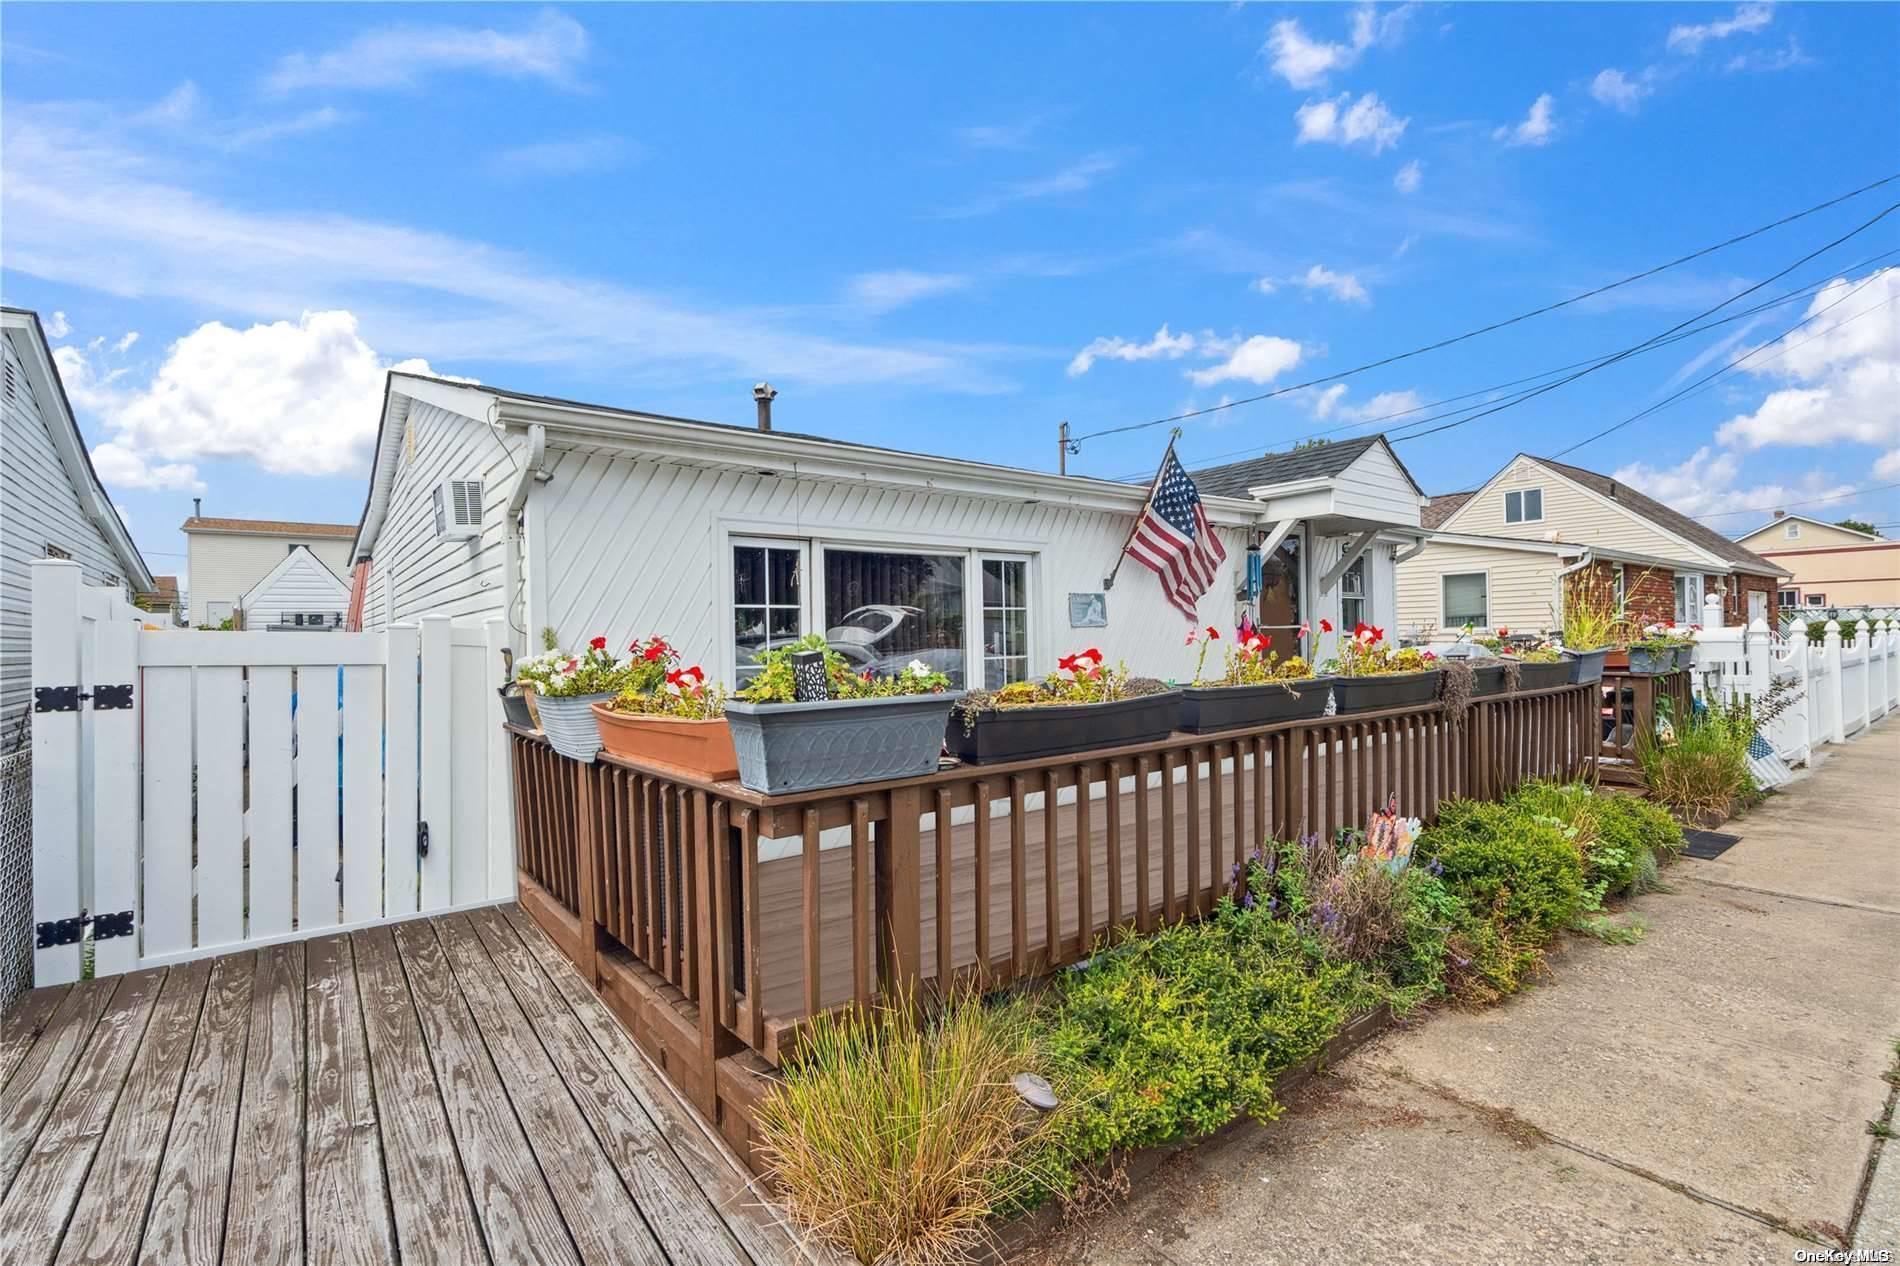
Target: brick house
1500	555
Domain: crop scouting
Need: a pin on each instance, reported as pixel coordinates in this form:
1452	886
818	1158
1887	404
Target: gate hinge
111	698
422	839
56	699
71	931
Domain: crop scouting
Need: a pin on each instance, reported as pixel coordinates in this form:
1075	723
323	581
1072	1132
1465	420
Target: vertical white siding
639	547
414	572
38	506
226	565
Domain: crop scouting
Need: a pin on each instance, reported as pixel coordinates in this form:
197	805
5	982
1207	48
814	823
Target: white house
228	557
299	593
51	504
591	520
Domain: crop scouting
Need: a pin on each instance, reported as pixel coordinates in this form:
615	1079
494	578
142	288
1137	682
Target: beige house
1499	555
1832	566
228	557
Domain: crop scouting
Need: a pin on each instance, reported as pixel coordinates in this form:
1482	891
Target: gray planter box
569	724
1586	666
785	747
1651	662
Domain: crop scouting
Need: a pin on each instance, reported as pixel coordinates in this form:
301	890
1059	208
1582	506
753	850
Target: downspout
514	584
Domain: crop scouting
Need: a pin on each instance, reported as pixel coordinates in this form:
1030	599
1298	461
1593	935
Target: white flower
917	668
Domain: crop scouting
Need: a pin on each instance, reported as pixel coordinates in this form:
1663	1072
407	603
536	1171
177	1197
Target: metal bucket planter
1055	729
514	707
1586	666
695	746
1543	676
568	721
1387	690
785	747
1211	709
1649	662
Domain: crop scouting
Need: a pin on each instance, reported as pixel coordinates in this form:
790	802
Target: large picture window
883	610
1005	621
768	601
1467	600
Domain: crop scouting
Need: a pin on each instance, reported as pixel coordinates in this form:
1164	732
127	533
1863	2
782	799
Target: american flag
1172	538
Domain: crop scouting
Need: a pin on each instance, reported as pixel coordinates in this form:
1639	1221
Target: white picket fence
254	787
1848	679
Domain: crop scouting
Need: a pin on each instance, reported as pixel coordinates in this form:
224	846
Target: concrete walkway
1703	1095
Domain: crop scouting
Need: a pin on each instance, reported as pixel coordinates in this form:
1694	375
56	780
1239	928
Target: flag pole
1108	581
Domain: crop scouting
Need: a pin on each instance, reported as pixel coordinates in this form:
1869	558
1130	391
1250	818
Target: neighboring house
299	593
1501	555
1832	566
229	556
162	600
51	504
729	540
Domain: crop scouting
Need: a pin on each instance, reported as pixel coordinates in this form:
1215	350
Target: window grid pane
1005	622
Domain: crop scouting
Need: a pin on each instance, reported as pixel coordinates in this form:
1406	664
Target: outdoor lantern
808	677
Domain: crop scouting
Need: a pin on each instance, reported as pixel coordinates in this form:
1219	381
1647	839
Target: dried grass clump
895	1137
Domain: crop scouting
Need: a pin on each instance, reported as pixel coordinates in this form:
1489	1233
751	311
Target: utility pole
1062	449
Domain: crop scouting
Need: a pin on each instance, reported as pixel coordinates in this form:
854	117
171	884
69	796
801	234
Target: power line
1800	292
1811	501
1861	228
1496	325
1746	356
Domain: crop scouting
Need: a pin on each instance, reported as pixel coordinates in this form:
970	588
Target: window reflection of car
884	638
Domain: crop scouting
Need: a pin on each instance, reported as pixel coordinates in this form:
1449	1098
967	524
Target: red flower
1325	625
599	643
1213	634
1503	632
656	649
1092	653
1068	663
866	675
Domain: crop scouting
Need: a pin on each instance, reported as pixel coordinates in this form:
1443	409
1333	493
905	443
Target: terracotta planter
1617	660
685	745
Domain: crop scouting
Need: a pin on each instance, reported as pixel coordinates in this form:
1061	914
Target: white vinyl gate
196	792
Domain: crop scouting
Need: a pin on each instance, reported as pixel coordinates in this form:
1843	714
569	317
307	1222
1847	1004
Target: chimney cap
1781	514
764	391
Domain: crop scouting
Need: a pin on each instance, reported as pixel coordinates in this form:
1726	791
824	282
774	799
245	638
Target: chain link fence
16	874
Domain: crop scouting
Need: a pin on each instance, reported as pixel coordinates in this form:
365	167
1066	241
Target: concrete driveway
1700	1096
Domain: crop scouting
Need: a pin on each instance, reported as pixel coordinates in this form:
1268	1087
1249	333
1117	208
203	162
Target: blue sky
950	228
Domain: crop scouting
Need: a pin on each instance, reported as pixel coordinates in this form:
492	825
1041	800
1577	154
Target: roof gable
1664	517
301	567
1314	461
1845	535
1441	507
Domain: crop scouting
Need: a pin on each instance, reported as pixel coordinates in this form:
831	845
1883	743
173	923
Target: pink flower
1305	628
1192	634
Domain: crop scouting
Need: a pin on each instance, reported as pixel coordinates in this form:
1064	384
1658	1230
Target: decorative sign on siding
1088	610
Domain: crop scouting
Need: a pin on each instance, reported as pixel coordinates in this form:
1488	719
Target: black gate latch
66	698
70	931
422	839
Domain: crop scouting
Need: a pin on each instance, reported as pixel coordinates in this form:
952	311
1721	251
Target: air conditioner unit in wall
458	509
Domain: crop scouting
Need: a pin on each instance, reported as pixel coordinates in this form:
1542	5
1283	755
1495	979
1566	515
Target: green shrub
1179	1033
1653	826
1521	868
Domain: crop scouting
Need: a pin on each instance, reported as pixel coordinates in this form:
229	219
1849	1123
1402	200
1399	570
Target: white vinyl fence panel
256	787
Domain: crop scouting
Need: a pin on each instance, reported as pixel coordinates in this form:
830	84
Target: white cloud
1706	484
549	48
1767	61
1342	286
1077	177
1842	373
1409	177
84	205
122	468
181	114
1258	360
1888	465
1617	90
125	343
884	291
1163	344
1013	135
1342	121
565	157
1305	62
299	398
1689	39
1536	129
1331	403
58	326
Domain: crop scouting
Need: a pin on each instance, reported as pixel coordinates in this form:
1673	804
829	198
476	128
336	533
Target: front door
1757	606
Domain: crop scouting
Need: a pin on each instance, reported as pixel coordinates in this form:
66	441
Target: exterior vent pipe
762	395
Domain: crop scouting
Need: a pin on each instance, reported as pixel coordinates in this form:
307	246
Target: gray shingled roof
1669	520
1233	479
1434	512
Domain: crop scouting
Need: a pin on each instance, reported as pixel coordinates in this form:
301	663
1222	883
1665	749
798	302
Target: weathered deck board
330	1100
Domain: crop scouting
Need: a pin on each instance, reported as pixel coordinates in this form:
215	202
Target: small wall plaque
1088	610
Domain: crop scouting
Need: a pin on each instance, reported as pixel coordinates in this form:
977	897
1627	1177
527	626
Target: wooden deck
444	1090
